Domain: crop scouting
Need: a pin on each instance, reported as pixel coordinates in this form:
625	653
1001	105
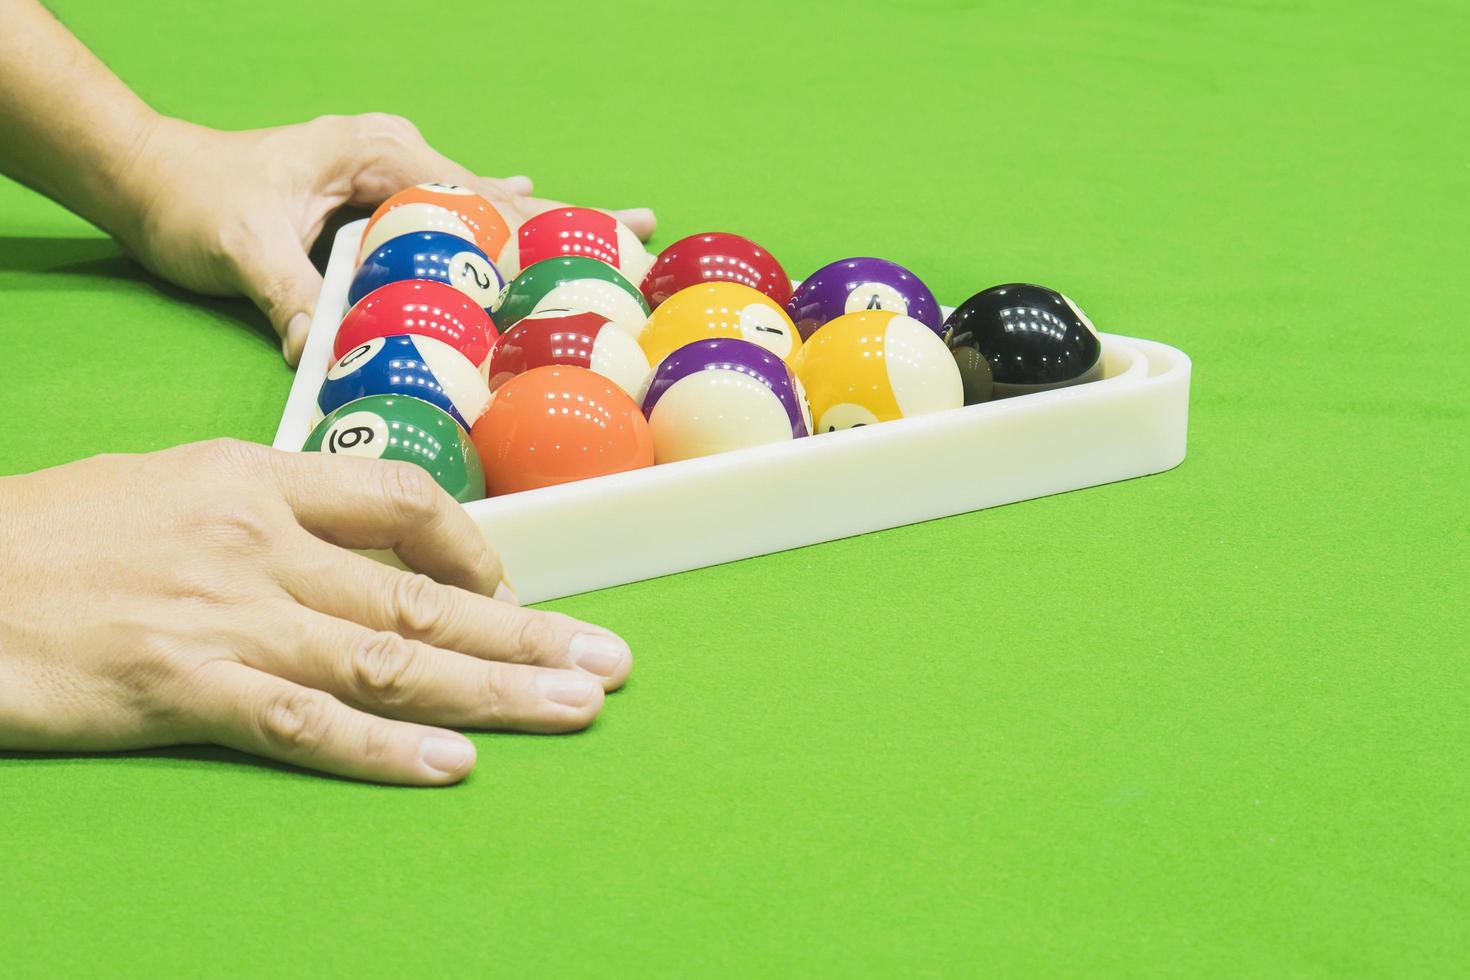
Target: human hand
236	212
208	598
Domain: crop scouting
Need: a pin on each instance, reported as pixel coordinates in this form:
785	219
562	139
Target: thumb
280	279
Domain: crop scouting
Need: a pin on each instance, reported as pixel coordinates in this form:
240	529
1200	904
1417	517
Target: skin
207	594
80	136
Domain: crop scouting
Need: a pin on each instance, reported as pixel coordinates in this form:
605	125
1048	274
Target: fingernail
563	687
295	339
503	593
599	653
520	184
450	756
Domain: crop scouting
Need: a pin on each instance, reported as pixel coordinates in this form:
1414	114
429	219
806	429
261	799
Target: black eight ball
1031	338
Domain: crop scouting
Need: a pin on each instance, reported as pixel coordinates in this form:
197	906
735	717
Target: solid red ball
715	256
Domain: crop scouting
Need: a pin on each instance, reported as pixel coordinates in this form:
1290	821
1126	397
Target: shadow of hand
98	263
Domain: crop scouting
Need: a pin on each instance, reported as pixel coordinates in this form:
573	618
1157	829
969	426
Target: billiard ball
587	340
406	429
718	309
558	424
725	393
975	376
575	232
857	284
421	208
416	367
430	255
576	284
714	256
1033	338
409	218
423	307
876	366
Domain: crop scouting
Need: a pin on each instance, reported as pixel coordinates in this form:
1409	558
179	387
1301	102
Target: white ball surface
714	412
461	380
597	296
921	368
409	218
617	357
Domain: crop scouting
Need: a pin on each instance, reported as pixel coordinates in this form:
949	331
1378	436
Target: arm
73	128
206	593
222	213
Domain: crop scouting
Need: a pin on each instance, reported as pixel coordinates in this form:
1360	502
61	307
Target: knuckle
377	743
232	515
534	635
294	633
243	527
414	604
485	564
231	453
176	709
204	591
277	289
411	493
387	127
152	661
299	722
382	667
233	245
493	696
476	565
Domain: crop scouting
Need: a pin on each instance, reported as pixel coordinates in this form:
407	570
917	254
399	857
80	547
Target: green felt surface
1209	722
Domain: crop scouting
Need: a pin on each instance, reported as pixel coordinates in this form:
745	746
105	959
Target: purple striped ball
720	394
864	283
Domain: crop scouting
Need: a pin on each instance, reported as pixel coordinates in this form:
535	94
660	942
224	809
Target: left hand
205	594
226	213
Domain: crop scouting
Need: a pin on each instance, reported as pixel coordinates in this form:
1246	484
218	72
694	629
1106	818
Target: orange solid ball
558	424
484	222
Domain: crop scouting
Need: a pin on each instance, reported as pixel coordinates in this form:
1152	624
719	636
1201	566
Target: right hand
236	212
204	594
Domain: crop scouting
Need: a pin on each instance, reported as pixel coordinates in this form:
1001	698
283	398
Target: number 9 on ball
408	430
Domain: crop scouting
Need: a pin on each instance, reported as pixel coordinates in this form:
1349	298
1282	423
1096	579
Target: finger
384	154
386	674
368	503
273	270
357	589
509	186
246	709
640	221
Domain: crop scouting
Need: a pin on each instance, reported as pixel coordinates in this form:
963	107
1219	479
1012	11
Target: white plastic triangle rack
623	528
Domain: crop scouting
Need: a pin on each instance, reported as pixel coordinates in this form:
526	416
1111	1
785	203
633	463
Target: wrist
9	541
133	179
104	178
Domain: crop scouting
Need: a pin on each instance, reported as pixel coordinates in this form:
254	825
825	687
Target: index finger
370	503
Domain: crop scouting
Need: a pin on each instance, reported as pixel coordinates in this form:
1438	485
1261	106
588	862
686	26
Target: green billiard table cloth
1210	722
